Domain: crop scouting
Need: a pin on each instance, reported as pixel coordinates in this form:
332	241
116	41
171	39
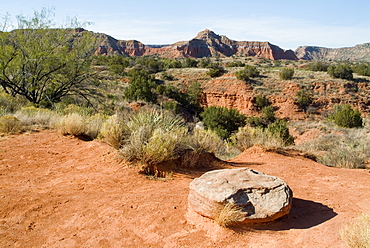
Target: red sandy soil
58	191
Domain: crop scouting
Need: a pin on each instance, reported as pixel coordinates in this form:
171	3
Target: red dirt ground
58	191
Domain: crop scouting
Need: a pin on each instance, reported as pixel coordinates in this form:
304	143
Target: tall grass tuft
357	233
229	215
10	124
351	149
113	131
198	143
272	137
37	116
153	136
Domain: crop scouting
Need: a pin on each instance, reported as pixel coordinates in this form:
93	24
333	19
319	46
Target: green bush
252	71
345	116
362	69
304	99
141	86
215	70
242	75
342	71
268	114
286	73
235	64
274	136
318	66
280	130
11	104
223	121
261	101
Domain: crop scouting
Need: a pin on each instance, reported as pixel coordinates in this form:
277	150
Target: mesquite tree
44	64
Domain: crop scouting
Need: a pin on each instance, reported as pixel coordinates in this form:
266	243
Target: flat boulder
240	196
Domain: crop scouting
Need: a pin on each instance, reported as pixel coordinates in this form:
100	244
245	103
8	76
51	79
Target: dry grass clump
152	137
357	233
229	215
10	104
349	148
10	124
94	125
157	139
81	126
247	137
37	116
198	143
113	131
72	124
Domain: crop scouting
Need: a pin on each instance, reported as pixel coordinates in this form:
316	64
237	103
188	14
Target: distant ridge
357	53
205	44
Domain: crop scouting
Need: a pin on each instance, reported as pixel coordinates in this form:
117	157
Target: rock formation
256	197
359	52
205	44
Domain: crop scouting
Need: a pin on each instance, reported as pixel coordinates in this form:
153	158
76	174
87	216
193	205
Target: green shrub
304	99
140	87
357	233
318	66
223	121
268	114
286	73
10	124
252	71
11	104
345	116
362	69
235	64
275	136
242	75
215	70
342	71
280	130
261	101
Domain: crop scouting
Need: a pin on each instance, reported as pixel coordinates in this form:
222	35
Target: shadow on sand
303	215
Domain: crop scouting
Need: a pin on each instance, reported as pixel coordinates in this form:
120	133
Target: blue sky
286	23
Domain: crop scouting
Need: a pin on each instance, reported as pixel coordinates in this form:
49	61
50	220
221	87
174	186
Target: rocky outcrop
205	44
359	52
254	197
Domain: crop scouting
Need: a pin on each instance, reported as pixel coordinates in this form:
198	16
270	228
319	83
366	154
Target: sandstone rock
258	197
205	44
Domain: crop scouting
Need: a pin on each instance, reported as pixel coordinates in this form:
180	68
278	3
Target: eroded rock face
205	44
259	197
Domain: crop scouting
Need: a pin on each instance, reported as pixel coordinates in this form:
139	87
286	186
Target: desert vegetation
162	115
148	107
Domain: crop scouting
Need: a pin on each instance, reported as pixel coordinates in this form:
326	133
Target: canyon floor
58	191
